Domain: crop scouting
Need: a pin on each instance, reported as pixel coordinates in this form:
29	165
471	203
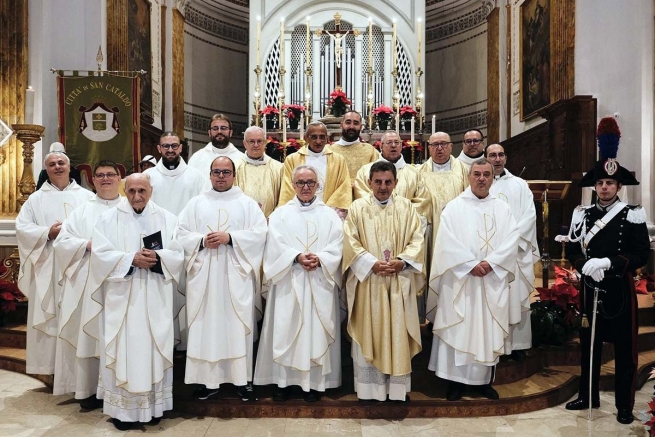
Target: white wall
614	63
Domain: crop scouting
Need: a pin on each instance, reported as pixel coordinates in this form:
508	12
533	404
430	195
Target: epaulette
579	213
637	214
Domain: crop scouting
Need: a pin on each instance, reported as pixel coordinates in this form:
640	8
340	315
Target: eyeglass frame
471	141
310	184
225	173
442	145
102	176
221	128
173	146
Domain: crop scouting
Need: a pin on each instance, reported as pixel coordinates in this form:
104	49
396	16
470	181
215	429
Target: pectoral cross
337	36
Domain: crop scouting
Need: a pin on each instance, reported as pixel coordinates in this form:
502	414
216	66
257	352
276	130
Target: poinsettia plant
338	102
383	113
270	112
407	112
294	111
10	295
650	423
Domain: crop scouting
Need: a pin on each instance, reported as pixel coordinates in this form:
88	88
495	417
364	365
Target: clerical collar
475	157
306	203
381	203
174	166
441	167
255	161
608	207
343	142
224	151
496	177
138	213
70	181
310	152
110	202
399	164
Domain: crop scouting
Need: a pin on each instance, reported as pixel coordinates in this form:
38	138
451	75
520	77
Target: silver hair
387	133
63	155
481	161
136	175
317	123
253	129
303	167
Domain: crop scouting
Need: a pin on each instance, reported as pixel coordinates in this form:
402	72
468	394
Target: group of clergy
188	257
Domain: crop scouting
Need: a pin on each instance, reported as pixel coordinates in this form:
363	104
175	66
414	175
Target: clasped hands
308	261
481	269
384	268
215	239
595	268
144	259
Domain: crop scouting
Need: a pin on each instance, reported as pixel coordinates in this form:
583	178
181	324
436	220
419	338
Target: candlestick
307	44
282	43
29	105
284	127
418	63
393	45
264	127
370	42
434	123
259	33
397	124
302	125
412	129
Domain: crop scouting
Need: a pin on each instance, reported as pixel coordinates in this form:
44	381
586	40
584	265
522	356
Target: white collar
343	142
400	164
441	167
161	168
310	152
387	202
249	160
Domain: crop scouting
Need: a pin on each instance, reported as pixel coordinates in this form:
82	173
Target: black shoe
581	404
154	421
518	355
624	416
91	403
122	426
454	391
280	394
205	393
246	392
311	396
487	391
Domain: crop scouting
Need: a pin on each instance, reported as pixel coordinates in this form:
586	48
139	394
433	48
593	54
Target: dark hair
168	133
382	166
494	144
234	170
105	163
353	112
475	130
221	117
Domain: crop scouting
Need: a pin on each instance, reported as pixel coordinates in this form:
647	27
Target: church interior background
462	62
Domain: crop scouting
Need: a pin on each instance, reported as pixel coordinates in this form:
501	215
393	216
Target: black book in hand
153	241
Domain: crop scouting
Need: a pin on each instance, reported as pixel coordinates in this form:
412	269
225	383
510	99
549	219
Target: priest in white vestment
77	358
472	147
37	226
137	264
174	183
517	194
301	336
220	132
383	263
223	233
472	266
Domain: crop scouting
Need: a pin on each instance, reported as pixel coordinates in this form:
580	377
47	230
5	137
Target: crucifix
337	36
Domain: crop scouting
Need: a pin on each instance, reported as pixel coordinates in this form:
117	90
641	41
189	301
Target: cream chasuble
382	313
301	336
221	286
77	364
39	273
356	155
467	160
517	194
337	192
202	159
261	181
470	314
410	186
136	362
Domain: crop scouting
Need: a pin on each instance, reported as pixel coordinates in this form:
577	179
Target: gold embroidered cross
489	228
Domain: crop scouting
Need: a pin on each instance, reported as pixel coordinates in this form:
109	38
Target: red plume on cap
608	135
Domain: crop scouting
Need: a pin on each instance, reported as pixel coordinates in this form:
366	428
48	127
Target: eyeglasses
173	146
393	143
253	142
475	141
217	128
310	184
105	175
222	172
500	155
441	145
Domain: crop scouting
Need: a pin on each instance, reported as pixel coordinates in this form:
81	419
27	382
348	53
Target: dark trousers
622	332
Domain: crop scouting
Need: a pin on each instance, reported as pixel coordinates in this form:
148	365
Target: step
13	336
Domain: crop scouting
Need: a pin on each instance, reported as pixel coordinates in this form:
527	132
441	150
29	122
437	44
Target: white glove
596	267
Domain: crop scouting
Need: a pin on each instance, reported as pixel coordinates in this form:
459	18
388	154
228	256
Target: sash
602	222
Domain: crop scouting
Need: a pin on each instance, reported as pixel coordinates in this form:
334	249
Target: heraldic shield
99	123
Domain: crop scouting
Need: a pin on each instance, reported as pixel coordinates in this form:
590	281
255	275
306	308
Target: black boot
122	426
454	391
624	416
280	394
581	404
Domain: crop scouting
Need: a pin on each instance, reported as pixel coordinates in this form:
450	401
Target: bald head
138	191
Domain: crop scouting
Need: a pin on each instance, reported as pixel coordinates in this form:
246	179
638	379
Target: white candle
259	33
284	129
419	44
281	43
264	127
412	128
29	105
397	124
302	126
393	45
307	46
434	123
370	42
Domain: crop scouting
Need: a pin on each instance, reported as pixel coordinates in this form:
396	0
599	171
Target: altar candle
284	129
434	123
281	43
307	45
264	127
302	126
259	34
419	43
412	129
370	42
397	124
393	44
29	105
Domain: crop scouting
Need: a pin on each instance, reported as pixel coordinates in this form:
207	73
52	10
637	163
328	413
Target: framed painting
140	49
535	56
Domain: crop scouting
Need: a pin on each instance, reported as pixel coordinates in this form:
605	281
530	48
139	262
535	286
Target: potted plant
271	114
406	114
293	114
338	103
382	115
10	295
555	316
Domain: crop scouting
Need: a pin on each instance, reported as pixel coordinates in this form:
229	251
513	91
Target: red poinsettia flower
269	111
272	141
377	144
407	112
293	111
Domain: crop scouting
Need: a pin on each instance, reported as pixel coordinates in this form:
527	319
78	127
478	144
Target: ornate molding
463	122
218	28
181	5
457	25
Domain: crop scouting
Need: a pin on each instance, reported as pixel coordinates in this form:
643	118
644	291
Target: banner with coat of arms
99	119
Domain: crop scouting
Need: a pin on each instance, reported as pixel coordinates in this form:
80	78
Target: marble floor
28	409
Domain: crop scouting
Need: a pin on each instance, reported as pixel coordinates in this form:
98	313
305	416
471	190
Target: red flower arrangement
382	113
270	112
407	112
650	423
294	111
338	102
293	144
